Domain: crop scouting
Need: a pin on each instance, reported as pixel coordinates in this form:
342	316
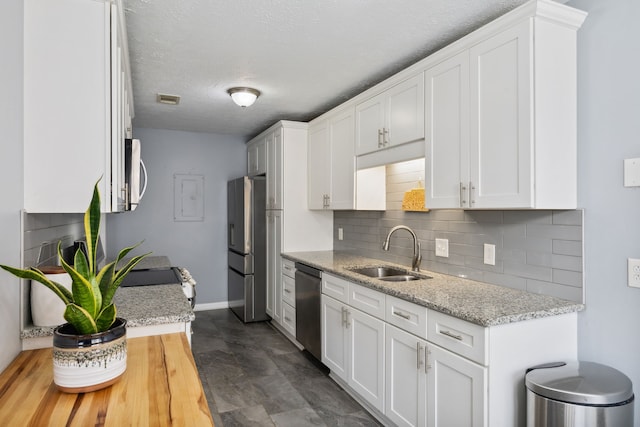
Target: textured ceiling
305	56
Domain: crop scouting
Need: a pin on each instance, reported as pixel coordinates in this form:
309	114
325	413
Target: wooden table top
160	387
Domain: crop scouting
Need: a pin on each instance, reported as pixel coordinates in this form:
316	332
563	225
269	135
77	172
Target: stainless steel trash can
578	394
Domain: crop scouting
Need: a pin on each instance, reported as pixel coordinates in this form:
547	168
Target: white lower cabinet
366	344
406	378
414	366
457	390
353	348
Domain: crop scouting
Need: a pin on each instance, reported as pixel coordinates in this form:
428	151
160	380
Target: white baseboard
211	306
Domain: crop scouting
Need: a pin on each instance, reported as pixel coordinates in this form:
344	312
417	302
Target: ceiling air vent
168	99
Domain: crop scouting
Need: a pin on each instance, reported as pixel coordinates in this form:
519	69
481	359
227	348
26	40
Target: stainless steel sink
401	278
379	272
388	274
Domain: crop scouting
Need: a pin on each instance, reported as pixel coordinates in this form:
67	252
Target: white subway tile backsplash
538	251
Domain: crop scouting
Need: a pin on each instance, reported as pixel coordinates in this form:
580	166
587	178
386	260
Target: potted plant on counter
90	351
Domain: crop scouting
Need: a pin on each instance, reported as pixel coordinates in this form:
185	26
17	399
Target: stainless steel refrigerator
247	272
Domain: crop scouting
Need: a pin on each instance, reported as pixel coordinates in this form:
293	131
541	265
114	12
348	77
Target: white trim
211	306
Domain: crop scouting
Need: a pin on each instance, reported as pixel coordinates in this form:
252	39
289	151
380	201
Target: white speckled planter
85	363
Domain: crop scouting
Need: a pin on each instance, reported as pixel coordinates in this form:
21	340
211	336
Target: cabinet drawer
459	336
368	300
288	290
335	287
406	315
288	268
289	318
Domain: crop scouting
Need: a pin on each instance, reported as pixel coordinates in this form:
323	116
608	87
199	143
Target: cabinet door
405	112
333	332
274	143
366	370
501	153
257	158
447	133
406	378
369	124
67	109
456	389
318	166
342	138
274	269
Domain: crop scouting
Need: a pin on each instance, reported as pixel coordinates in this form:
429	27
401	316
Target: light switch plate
489	254
632	172
633	271
442	247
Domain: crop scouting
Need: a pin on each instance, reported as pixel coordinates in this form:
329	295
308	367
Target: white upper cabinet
393	117
501	114
257	158
447	131
331	162
77	104
274	170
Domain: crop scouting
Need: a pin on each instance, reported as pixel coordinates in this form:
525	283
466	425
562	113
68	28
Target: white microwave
135	174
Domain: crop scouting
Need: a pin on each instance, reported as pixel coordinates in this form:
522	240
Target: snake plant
89	305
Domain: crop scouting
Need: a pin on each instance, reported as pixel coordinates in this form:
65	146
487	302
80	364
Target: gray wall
536	251
201	247
11	171
608	132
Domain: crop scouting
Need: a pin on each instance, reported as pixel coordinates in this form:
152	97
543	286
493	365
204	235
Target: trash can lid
582	383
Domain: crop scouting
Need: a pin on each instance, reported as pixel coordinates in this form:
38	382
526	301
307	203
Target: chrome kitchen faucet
417	256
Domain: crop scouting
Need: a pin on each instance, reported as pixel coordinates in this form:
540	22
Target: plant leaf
106	318
92	227
109	292
83	290
34	274
80	319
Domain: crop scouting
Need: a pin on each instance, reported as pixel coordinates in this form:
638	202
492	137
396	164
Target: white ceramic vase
85	363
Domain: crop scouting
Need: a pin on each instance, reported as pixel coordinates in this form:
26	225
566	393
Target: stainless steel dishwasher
308	282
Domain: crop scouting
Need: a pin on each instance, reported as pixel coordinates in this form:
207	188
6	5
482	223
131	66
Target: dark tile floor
253	376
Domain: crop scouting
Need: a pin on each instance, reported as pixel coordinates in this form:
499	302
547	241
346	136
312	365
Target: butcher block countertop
160	387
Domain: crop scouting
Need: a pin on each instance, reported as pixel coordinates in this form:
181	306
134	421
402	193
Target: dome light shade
243	96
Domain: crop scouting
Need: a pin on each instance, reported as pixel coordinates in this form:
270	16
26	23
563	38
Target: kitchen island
160	387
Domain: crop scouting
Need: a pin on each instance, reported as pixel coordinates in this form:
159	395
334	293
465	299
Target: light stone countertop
477	302
141	305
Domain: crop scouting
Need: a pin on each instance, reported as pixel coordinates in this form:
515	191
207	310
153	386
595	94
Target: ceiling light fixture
243	96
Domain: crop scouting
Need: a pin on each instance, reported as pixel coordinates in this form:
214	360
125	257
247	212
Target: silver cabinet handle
380	142
463	190
452	335
347	323
427	365
385	137
287	291
344	317
418	355
404	316
287	319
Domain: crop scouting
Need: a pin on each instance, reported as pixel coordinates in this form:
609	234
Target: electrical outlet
340	233
489	254
442	247
633	266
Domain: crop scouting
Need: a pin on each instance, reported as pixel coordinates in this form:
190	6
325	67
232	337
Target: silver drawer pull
404	316
287	290
287	319
452	335
286	267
